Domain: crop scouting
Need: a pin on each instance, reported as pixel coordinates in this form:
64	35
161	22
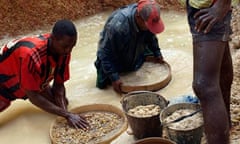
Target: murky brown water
24	123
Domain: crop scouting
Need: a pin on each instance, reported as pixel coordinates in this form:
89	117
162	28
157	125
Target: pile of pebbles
165	4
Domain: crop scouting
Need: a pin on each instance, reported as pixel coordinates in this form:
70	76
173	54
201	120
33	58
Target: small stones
102	124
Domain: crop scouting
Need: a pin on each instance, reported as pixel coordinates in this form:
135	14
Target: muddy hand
154	59
77	121
159	60
117	86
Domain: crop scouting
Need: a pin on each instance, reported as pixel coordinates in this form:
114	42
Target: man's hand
155	59
117	86
159	60
77	121
206	18
44	103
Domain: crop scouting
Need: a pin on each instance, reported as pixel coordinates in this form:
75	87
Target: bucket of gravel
186	131
142	109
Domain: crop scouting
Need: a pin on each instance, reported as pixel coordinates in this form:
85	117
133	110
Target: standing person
29	64
209	22
128	36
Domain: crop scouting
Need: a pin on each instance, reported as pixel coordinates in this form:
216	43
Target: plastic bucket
192	136
154	140
146	126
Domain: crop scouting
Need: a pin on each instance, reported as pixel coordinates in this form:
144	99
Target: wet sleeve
153	45
30	72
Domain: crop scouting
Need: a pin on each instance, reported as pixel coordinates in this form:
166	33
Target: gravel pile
19	17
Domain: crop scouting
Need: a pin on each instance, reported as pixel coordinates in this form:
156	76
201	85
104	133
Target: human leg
208	57
226	78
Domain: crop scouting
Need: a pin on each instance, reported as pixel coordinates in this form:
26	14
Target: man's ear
53	37
138	15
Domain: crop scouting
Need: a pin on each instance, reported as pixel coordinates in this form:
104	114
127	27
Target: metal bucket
146	126
192	136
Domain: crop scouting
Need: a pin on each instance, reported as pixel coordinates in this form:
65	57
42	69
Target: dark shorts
221	31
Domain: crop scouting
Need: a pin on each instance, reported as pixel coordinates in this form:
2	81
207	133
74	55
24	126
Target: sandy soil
19	17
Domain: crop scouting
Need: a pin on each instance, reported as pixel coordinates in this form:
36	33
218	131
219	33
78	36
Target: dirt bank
19	17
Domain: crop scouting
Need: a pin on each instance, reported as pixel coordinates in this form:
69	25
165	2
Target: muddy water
26	124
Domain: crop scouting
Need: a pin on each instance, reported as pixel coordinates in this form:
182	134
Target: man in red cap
129	35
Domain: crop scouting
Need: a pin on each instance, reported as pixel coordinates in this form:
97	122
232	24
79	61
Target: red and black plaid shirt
25	64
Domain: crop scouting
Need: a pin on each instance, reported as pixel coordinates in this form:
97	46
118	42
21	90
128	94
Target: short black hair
64	27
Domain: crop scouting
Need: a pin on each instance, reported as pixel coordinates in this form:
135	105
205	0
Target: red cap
149	10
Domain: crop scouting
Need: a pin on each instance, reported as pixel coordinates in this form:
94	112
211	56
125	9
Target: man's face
63	45
141	23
